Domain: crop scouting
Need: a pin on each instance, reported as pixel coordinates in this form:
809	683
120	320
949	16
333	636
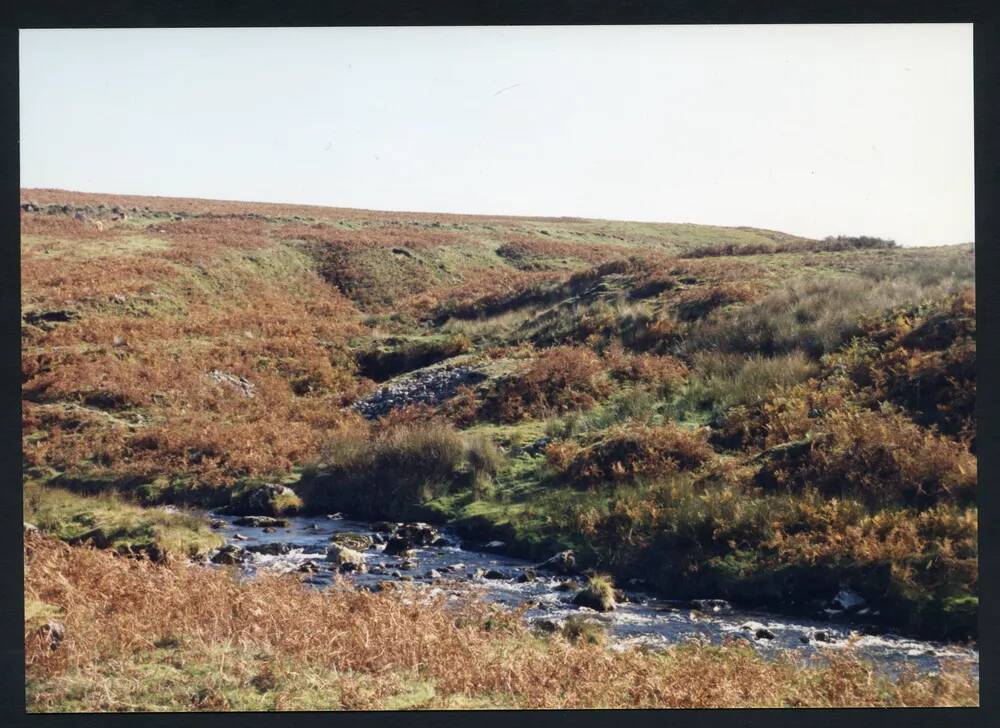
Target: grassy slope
120	395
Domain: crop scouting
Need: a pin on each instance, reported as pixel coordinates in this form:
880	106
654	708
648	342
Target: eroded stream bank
438	559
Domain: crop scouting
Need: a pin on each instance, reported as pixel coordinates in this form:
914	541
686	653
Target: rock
823	636
313	527
243	386
418	534
379	538
239	537
261	522
714	606
273	549
430	385
440	542
847	600
268	499
355	541
229	554
395	574
217	523
309	567
433	574
563	562
545	625
764	634
341	555
52	632
397	545
335	516
383	526
476	574
350	567
536	447
407	564
270	529
565	586
526	576
30	527
494	546
804	639
494	574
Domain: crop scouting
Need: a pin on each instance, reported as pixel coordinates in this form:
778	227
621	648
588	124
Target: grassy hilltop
726	412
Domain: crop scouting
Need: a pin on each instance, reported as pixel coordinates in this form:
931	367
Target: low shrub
628	453
560	380
880	457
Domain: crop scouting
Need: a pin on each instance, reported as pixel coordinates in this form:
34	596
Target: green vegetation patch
110	521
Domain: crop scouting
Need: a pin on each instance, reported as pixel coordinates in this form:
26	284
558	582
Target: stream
641	619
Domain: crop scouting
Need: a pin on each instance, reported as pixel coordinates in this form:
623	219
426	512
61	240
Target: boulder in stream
341	555
261	522
397	545
563	562
713	606
847	600
526	576
354	541
229	554
418	534
273	549
494	574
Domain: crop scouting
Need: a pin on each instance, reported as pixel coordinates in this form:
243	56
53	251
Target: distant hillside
719	411
377	258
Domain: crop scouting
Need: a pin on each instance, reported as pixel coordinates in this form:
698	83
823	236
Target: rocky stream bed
370	554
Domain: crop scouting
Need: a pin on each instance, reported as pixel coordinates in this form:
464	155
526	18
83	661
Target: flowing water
642	619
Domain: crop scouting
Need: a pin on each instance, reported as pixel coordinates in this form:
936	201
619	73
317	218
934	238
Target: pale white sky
815	130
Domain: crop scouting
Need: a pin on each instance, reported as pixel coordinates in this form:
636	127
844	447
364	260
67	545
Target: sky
815	130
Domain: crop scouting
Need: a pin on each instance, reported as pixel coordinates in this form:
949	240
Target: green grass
113	522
